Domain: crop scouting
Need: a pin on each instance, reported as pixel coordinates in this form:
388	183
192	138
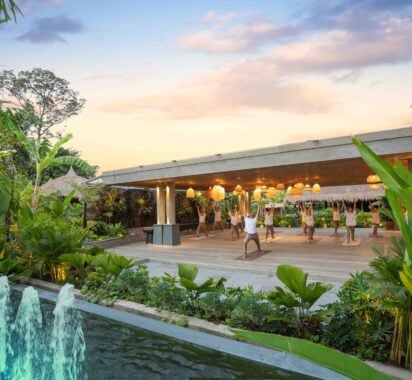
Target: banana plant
187	275
398	181
42	155
298	297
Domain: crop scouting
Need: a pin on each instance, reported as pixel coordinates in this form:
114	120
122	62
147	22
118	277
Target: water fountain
28	350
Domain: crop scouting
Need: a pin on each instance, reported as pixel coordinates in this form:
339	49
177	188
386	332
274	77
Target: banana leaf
327	357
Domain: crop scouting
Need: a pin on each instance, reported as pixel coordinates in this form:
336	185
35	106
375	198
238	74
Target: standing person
234	223
375	220
269	222
202	221
336	217
251	230
310	222
240	220
218	218
302	218
350	213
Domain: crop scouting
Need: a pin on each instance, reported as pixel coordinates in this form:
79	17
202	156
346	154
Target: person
375	220
218	218
302	217
350	213
336	217
310	222
240	220
269	222
202	222
234	223
251	230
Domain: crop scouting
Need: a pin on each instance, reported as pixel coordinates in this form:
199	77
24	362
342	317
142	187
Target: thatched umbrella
63	185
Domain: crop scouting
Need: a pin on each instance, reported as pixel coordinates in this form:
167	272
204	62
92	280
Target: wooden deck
325	260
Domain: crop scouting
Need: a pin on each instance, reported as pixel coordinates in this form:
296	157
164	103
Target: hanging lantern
295	192
218	193
373	178
280	186
209	193
307	187
221	193
257	195
289	190
374	186
190	193
316	188
299	186
271	192
239	189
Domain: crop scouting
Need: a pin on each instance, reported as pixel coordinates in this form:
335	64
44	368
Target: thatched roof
348	193
63	185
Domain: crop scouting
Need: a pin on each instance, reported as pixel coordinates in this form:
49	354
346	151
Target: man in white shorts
251	230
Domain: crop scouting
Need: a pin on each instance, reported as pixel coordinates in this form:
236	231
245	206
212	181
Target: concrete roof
394	144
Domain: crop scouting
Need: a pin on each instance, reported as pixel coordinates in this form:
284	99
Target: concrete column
161	204
170	203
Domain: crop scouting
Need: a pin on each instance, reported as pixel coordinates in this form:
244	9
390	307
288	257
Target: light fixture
289	189
296	192
257	194
280	186
373	178
239	189
299	186
374	186
316	188
190	193
209	193
218	193
307	187
271	192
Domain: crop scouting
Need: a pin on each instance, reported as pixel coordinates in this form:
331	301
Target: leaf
292	277
313	292
406	280
327	357
281	298
72	161
188	271
49	157
188	284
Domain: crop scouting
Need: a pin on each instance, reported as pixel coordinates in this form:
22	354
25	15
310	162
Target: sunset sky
170	79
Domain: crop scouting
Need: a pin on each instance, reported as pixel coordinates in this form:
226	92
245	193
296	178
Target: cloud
51	29
213	17
241	37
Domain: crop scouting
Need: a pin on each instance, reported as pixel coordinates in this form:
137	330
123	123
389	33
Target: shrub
216	307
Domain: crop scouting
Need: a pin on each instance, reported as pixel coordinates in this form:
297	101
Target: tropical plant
187	275
77	264
8	10
110	265
337	361
398	182
299	297
116	230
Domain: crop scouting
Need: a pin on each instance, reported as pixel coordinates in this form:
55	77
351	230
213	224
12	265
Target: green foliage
216	307
110	265
299	298
357	324
327	357
8	10
187	275
77	265
116	230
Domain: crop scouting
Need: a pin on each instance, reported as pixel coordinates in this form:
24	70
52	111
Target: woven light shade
307	187
374	186
289	190
239	189
190	193
271	192
218	193
257	195
316	188
280	186
299	186
373	178
295	192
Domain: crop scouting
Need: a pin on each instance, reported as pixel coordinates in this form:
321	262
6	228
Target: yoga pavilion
331	163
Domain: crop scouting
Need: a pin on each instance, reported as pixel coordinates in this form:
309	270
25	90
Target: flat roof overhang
330	162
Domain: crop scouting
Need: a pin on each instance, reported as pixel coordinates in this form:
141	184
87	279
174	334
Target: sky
166	80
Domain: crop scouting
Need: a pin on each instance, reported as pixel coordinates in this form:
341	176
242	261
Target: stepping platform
253	255
202	237
339	234
270	240
314	241
353	243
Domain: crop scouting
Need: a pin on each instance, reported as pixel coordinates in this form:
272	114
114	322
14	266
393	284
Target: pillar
170	203
161	204
248	202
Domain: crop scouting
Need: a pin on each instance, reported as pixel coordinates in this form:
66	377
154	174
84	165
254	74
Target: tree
8	9
46	99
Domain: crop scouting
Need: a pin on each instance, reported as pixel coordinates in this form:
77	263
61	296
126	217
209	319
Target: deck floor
325	260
